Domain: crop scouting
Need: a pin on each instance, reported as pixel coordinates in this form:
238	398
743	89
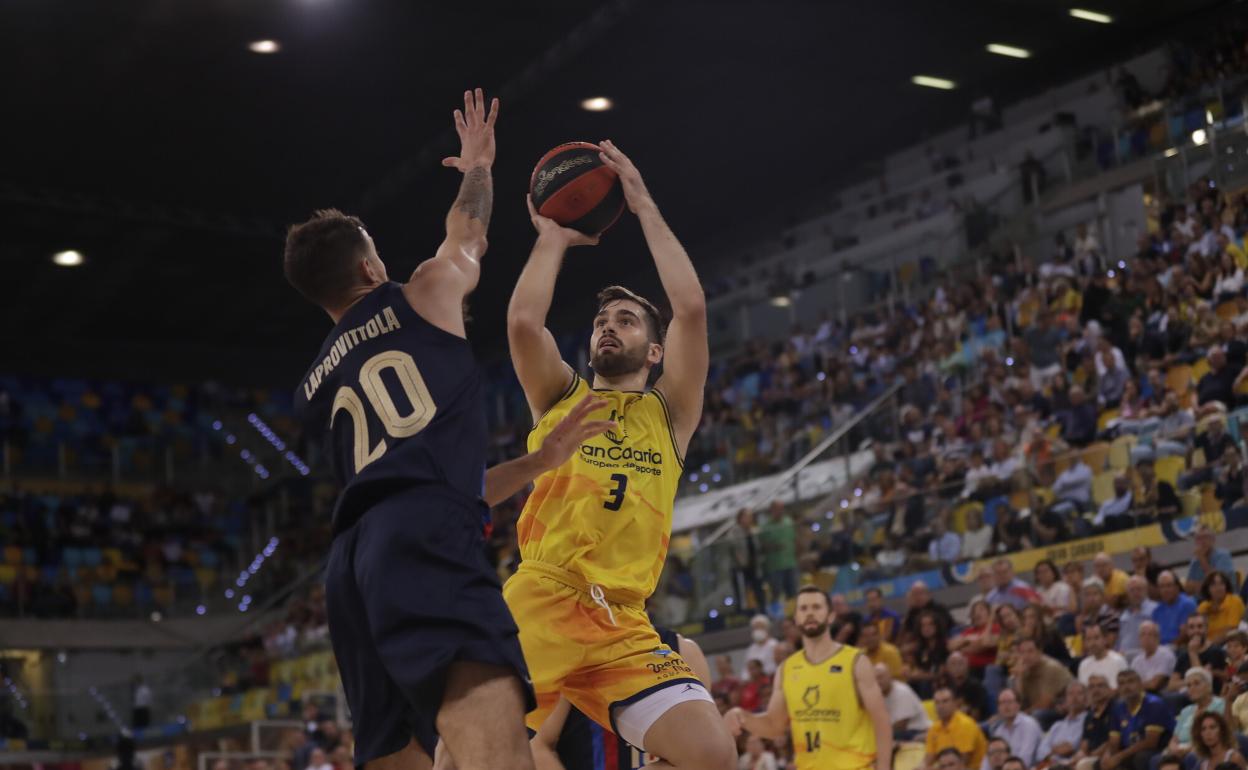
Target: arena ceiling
147	135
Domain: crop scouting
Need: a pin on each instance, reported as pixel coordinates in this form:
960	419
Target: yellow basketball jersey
606	514
831	730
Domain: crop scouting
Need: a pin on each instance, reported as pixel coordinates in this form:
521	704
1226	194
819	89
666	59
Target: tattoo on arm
476	196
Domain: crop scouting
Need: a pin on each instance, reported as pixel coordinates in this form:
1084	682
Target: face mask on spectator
759	635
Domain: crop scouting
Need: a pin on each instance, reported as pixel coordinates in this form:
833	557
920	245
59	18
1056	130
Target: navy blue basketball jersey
401	401
586	745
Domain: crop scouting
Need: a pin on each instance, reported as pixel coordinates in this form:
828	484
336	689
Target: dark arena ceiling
148	136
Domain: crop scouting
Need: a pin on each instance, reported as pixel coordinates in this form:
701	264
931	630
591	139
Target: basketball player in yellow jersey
827	693
593	535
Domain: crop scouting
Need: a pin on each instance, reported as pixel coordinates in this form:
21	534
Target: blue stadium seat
102	595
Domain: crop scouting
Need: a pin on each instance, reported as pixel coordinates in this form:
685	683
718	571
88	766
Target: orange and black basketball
572	186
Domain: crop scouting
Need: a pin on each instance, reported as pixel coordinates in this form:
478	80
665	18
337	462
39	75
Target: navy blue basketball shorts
408	592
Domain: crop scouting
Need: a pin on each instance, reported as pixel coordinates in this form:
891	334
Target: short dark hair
655	324
322	253
875	591
1012	758
950	750
814	589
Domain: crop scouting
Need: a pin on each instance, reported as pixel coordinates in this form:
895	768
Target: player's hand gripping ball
572	186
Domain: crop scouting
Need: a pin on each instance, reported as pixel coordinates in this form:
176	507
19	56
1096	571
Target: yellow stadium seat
1227	310
1241	388
1104	417
1053	431
1096	455
1198	457
1190	501
1103	487
12	555
1168	468
113	556
1120	452
1062	462
957	520
8	574
1200	369
1209	502
1179	378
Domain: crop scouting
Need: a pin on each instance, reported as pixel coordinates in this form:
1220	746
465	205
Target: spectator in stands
1145	725
998	751
1114	579
141	715
1018	728
726	683
1097	612
1206	558
905	710
1112	382
945	546
1072	490
1115	513
1142	564
1195	650
1044	345
1229	480
1223	610
329	737
978	536
1237	694
954	730
1098	658
1173	606
779	541
1214	442
1055	595
752	689
1218	384
756	756
1198	684
930	652
319	760
948	759
762	646
1155	500
978	639
1100	722
1216	744
1036	625
879	651
1078	422
1009	589
919	600
967	689
1155	661
1236	648
886	620
1062	740
748	569
1039	678
1139	610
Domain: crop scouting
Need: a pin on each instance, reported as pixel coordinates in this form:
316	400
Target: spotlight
264	46
597	104
1095	16
933	82
1199	136
69	258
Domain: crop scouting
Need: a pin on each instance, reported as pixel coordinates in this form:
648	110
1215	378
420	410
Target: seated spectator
954	730
1115	513
762	646
1155	500
886	620
978	536
1114	579
1078	422
1194	650
1144	725
1223	610
1061	742
1228	480
1169	430
1008	588
948	759
1098	658
756	756
725	683
1072	490
1055	594
1096	612
1018	728
919	600
968	690
1214	442
1098	725
978	640
1237	692
1139	610
1215	743
1112	380
1199	686
1236	648
1039	679
1036	625
1154	661
1206	558
929	655
1173	606
1142	565
879	651
905	710
751	692
998	751
1217	387
945	546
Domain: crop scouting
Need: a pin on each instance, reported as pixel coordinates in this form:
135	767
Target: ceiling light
781	300
1208	117
1170	153
1199	136
1009	50
931	82
597	104
1086	15
68	258
264	46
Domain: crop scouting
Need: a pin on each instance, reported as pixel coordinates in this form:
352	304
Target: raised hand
475	127
562	442
550	229
635	193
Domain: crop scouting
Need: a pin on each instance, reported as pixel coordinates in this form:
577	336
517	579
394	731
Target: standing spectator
1139	610
1062	740
1098	724
779	540
1206	558
1223	610
1144	725
954	730
1040	679
1115	580
905	710
880	652
142	695
1055	594
762	646
885	619
1019	729
1155	661
1098	658
747	574
756	756
1199	686
1010	589
1173	606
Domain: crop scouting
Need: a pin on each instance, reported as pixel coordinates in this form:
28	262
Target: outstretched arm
772	723
541	370
438	286
686	356
505	479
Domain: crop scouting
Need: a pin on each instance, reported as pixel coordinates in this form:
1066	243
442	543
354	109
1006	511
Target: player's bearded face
612	357
813	623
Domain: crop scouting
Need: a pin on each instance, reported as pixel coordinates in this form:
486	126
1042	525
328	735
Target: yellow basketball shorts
573	647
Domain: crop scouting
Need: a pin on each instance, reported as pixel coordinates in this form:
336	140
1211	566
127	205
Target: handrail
786	476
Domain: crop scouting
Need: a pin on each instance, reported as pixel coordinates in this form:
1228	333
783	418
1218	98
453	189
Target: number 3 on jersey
395	424
617	493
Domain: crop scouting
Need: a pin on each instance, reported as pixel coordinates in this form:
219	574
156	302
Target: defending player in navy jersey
424	642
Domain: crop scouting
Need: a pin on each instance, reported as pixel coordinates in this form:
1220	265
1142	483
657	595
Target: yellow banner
1080	550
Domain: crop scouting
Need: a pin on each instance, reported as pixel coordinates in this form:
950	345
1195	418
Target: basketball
572	186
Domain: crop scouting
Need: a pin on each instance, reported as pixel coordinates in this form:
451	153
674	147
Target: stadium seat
12	555
1168	469
1103	487
1095	456
1190	501
92	557
1199	369
1179	378
957	520
1209	502
71	557
1198	457
30	555
8	574
1102	420
1120	452
101	595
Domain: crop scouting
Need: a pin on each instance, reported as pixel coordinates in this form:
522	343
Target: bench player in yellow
594	534
827	694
